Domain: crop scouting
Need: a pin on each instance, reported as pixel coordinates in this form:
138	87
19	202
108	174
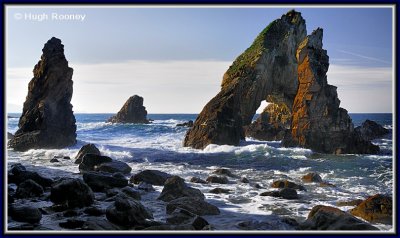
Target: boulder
99	224
86	149
146	187
153	177
225	172
72	192
184	217
130	192
186	124
370	130
127	212
113	167
29	188
287	184
47	119
54	160
197	180
94	211
194	205
90	161
133	111
217	179
24	213
244	180
376	209
18	174
219	190
355	202
312	178
102	181
286	193
175	187
330	218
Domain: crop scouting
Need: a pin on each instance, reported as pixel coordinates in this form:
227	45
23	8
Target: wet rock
25	214
113	167
326	184
70	213
10	136
133	111
72	224
219	190
244	180
287	184
66	158
54	160
312	178
330	218
153	177
131	193
184	217
86	149
102	181
127	212
377	209
197	180
19	174
94	211
225	172
217	179
370	130
29	188
112	192
72	192
355	202
256	185
146	187
286	193
47	119
90	161
194	205
99	224
186	124
186	227
175	187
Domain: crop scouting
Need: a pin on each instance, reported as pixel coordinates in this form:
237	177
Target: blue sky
185	51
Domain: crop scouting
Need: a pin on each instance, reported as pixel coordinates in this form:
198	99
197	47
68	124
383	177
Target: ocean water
159	146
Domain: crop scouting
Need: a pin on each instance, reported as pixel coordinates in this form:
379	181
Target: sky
175	57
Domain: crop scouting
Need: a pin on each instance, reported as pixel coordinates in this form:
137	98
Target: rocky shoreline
105	195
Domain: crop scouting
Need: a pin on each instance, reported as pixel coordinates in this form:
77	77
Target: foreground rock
100	182
28	188
47	119
217	179
371	130
225	172
72	193
287	184
114	167
194	205
175	187
19	174
127	212
90	161
86	149
25	214
133	111
184	217
377	209
286	193
153	177
330	218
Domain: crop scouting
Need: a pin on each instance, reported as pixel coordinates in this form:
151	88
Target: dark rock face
47	119
10	136
127	212
153	177
288	69
225	172
286	193
219	190
102	181
113	167
90	161
186	124
349	203
194	205
197	180
267	68
86	149
72	192
133	111
287	184
318	122
330	218
312	178
25	214
175	187
377	208
184	217
19	174
217	179
28	188
370	130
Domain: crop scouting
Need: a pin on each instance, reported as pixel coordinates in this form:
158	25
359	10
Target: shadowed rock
371	130
25	214
47	119
153	177
133	111
175	187
194	205
377	208
287	184
72	192
86	149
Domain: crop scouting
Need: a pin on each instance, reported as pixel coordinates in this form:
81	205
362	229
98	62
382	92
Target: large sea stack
47	119
133	111
288	69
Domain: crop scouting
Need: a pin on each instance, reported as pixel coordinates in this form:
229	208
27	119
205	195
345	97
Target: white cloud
186	86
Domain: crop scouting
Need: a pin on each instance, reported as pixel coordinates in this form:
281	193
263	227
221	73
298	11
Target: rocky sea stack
47	119
288	69
133	111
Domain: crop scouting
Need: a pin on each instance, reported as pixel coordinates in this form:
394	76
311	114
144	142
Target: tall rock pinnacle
47	119
133	111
